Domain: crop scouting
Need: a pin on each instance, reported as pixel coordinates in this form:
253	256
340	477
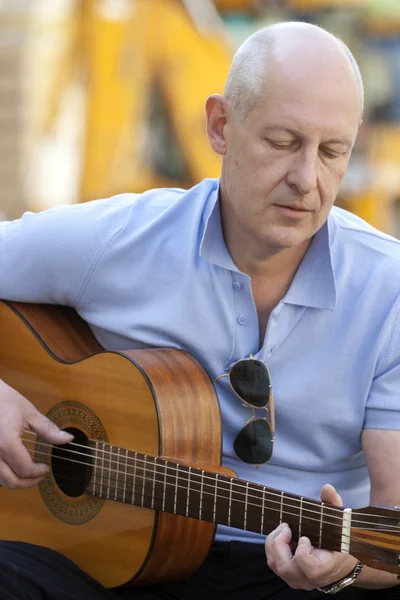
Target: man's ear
216	111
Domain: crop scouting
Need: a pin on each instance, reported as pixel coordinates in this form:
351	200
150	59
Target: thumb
330	496
48	430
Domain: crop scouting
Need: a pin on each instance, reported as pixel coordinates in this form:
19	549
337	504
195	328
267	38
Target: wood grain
160	411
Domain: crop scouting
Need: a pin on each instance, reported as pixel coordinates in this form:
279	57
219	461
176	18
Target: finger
10	480
321	567
305	558
283	528
19	460
277	545
48	430
285	564
330	496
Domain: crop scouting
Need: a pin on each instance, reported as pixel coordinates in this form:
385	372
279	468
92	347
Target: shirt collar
314	283
212	245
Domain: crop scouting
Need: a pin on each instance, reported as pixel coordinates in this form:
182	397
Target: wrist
349	579
374	579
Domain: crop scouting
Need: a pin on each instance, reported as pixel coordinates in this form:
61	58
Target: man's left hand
308	568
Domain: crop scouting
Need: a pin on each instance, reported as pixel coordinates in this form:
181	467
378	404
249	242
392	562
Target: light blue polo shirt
153	270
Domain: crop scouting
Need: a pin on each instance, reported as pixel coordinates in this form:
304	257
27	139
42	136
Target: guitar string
240	487
110	494
163	466
173	469
151	478
147	495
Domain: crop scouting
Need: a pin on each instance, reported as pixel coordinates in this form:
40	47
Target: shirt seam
392	341
95	259
370	233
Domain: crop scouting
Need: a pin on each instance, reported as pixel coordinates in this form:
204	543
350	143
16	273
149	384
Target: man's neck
261	262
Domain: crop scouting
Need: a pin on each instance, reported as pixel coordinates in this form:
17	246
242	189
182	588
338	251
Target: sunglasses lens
253	444
250	380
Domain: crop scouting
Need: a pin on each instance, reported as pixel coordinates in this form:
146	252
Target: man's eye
332	153
280	145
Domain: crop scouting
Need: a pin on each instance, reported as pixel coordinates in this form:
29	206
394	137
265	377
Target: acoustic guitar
136	496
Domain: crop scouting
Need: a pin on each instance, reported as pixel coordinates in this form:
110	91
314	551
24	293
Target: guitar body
157	402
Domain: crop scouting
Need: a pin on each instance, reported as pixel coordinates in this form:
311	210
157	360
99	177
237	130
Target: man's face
283	165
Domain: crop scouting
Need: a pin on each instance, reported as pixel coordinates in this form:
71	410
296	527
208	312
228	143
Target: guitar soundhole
72	464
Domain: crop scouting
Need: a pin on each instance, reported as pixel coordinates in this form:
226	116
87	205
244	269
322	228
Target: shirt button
242	320
237	286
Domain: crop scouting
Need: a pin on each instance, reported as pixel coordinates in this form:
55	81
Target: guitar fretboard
165	485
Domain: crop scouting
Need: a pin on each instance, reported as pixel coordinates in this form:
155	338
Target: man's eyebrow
343	141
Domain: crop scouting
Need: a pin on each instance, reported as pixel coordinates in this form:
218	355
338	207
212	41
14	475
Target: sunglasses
250	380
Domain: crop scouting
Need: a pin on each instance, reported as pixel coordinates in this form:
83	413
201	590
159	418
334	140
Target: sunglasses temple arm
272	412
220	377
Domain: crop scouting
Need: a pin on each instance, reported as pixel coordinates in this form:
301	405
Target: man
257	263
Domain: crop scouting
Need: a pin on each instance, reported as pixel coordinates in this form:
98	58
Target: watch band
338	586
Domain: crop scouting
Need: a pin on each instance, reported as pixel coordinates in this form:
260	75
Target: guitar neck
167	486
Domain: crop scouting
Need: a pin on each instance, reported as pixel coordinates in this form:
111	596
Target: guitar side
158	402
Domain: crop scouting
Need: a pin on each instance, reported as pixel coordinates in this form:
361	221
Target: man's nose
302	173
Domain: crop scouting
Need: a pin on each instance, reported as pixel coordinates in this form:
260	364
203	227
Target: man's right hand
17	414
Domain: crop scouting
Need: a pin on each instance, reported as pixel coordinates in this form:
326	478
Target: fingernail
303	541
66	435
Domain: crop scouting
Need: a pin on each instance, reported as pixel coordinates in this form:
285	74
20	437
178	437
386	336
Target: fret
143	479
255	511
125	476
195	488
309	517
221	500
245	506
154	483
157	484
262	511
188	494
300	516
214	512
170	483
321	524
201	494
230	501
238	504
290	512
184	490
134	477
109	454
176	487
117	475
165	486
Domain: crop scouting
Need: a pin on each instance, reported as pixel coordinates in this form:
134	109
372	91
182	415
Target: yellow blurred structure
144	69
134	54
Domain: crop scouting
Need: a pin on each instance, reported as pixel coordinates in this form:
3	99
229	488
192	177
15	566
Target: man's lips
293	207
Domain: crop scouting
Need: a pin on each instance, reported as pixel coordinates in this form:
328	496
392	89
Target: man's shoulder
358	239
152	204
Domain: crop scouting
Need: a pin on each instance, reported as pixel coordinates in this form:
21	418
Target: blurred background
99	97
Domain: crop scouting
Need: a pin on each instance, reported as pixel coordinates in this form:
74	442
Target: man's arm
48	257
382	452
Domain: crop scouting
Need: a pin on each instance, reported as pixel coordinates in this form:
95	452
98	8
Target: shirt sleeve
48	257
383	404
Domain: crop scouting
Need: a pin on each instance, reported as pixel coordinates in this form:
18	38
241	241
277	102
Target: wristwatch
338	586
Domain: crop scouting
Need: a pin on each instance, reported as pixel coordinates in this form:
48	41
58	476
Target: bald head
310	50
